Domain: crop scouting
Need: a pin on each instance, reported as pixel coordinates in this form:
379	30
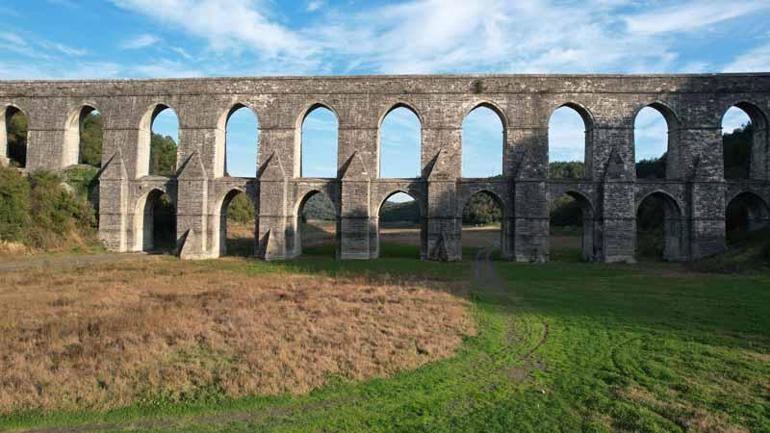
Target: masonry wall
694	189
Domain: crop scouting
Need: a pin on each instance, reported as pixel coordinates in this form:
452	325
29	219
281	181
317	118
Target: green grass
564	346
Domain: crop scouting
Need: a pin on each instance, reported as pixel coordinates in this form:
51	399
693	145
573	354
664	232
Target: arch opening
155	226
237	225
744	143
483	143
655	143
571	228
746	213
241	142
316	226
400	227
569	144
15	137
318	143
83	137
400	138
483	220
158	142
659	228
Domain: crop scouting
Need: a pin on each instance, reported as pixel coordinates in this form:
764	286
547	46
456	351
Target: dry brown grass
108	335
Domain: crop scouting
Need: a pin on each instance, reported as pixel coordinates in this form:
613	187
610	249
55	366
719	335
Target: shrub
14	205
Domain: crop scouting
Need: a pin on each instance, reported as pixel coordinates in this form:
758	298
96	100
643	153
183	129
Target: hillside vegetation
42	212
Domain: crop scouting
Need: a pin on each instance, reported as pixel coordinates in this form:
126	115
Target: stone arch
219	247
298	211
746	211
13	150
422	220
503	215
145	228
145	135
588	243
673	125
380	122
71	152
220	146
673	223
298	137
588	123
491	107
758	154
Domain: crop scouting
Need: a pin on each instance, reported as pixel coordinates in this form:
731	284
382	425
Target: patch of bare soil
107	335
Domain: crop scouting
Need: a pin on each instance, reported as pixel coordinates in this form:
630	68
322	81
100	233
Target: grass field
565	346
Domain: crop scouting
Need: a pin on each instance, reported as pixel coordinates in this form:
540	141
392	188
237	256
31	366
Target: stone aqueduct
694	190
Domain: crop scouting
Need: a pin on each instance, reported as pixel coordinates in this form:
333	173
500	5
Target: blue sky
191	38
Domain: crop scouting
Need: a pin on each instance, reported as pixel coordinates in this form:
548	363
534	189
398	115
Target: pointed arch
235	152
658	214
401	219
317	144
314	230
573	208
76	148
399	144
238	201
166	161
570	151
745	212
14	136
155	222
484	221
483	141
660	159
745	147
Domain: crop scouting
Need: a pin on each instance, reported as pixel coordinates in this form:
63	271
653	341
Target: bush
241	209
14	205
40	212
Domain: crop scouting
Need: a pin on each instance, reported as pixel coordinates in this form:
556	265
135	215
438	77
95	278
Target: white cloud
753	60
12	38
227	26
140	41
314	5
690	16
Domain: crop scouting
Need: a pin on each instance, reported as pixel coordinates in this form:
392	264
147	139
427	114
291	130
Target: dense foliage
91	136
162	155
39	211
482	208
241	209
737	152
653	168
566	170
16	128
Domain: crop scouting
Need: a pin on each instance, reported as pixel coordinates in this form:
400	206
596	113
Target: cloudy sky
190	38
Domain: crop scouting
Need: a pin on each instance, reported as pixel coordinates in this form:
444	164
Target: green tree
736	147
162	155
566	170
17	139
653	168
241	209
482	208
91	134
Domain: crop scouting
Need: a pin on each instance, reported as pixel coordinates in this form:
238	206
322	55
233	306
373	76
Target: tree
91	134
482	208
17	138
241	209
162	155
566	170
736	147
